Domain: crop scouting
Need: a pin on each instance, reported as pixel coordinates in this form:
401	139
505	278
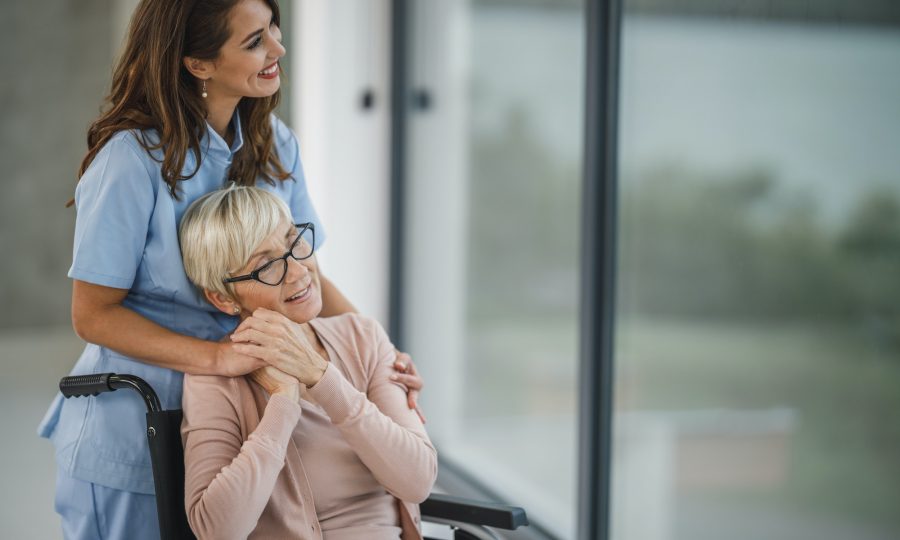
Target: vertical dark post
399	109
598	265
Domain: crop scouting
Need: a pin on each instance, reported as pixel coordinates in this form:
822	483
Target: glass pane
493	169
758	329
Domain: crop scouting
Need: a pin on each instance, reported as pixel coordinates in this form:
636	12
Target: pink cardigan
244	476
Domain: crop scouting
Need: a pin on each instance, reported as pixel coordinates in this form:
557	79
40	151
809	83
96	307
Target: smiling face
247	64
233	237
298	297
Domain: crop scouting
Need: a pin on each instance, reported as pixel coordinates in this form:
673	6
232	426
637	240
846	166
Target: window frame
598	265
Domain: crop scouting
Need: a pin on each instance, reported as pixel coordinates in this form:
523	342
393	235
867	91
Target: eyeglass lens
273	272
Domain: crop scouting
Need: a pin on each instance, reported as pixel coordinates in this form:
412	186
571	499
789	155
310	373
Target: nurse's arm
99	317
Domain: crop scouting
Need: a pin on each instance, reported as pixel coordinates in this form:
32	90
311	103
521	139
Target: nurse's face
247	65
299	295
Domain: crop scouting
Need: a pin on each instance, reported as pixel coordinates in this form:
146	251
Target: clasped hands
283	345
291	359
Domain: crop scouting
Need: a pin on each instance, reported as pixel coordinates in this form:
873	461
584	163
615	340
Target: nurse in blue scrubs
190	109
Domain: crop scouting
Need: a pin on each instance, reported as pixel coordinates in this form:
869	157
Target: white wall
340	48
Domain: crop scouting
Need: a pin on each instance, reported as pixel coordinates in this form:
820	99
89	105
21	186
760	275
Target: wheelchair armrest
463	510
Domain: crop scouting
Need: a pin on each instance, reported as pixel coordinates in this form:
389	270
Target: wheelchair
467	519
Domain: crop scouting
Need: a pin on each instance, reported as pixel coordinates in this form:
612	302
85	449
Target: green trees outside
736	289
693	244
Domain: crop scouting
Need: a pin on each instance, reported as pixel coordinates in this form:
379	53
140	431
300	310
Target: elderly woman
322	445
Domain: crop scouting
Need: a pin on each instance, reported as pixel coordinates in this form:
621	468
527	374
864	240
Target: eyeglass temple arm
236	279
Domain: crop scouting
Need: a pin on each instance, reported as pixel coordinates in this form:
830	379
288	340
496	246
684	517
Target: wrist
215	358
321	366
290	391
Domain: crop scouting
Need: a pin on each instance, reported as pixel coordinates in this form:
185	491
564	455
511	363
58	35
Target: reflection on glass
758	330
494	174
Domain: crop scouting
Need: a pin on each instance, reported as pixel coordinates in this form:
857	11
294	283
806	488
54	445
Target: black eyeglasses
273	272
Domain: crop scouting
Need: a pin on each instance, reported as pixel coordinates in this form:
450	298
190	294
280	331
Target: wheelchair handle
97	383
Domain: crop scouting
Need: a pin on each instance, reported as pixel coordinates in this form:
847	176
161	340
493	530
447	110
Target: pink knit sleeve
386	435
228	481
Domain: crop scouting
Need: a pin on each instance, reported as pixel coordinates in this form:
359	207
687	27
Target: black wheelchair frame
469	520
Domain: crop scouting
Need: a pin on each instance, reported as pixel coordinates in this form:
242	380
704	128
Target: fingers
268	357
247	364
272	379
412	401
411	369
269	316
412	382
258	374
402	360
408	375
400	366
255	351
265	320
421	415
241	363
255	323
247	324
404	364
242	325
252	335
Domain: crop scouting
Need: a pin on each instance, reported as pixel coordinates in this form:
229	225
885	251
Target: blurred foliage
736	290
737	245
692	244
523	226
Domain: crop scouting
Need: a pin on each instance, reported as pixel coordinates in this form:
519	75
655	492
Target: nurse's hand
232	363
281	343
408	376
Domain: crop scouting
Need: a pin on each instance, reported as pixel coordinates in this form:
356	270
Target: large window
756	319
493	182
758	324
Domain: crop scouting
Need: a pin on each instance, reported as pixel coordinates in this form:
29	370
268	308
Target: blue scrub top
126	236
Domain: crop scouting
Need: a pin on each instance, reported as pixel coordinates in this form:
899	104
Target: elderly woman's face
298	297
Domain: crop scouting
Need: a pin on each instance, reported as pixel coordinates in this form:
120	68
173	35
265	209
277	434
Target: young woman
319	443
190	109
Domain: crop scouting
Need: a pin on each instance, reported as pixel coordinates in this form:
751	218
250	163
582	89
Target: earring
204	94
237	310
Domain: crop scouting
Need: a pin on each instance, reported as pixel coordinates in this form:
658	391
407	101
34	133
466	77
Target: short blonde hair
221	229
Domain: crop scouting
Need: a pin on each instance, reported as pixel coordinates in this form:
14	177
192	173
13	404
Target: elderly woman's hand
274	381
281	343
408	376
231	363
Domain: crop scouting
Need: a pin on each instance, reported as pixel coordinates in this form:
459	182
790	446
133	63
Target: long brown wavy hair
151	89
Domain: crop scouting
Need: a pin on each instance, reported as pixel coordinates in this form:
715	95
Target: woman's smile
270	72
300	296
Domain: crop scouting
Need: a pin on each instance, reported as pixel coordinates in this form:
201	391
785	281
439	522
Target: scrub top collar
215	144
